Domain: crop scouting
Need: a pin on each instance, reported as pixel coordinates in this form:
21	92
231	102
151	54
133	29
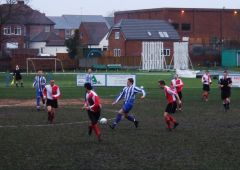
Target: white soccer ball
103	120
141	87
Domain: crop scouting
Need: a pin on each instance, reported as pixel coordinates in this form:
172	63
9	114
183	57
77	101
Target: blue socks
131	118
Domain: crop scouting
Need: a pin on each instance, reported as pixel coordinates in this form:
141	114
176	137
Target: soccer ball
141	87
103	120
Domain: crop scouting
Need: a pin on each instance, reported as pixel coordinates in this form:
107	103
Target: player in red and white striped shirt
207	81
177	85
51	92
172	97
93	107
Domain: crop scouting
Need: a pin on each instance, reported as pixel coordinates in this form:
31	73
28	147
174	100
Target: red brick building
200	25
21	25
126	37
207	30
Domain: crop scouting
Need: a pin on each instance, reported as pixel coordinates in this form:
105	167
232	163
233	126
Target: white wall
52	50
103	43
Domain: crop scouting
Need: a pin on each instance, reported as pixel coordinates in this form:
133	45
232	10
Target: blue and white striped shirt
39	83
128	93
89	78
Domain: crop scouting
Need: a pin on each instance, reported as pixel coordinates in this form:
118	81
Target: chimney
20	2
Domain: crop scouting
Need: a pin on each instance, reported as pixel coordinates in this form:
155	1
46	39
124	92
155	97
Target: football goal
44	63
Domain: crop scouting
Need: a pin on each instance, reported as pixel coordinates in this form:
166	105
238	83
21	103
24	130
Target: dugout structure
40	62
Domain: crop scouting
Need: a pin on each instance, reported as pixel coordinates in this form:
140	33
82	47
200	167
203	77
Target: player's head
161	83
52	82
40	72
175	76
130	82
17	67
206	71
89	70
225	73
88	86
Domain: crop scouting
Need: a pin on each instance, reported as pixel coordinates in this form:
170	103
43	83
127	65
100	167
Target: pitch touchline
46	125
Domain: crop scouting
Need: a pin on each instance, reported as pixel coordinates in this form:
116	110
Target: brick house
22	25
91	34
207	30
126	37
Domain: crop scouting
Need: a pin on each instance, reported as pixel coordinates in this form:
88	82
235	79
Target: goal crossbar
55	63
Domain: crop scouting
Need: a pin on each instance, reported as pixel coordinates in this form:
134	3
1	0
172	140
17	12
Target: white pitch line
46	125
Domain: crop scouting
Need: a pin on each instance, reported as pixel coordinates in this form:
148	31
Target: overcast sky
106	7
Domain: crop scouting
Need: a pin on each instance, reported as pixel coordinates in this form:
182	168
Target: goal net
52	64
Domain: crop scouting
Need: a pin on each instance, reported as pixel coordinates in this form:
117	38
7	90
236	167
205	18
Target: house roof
96	31
45	37
23	14
56	43
110	21
74	21
138	29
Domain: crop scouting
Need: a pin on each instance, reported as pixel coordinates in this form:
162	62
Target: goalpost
54	59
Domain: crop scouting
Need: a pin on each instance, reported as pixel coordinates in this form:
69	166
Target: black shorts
225	94
18	77
206	87
180	95
52	103
171	107
93	116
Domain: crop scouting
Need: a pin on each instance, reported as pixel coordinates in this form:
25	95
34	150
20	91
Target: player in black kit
225	83
17	76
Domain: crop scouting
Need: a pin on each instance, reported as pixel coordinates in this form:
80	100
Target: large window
117	52
17	31
7	30
117	35
186	27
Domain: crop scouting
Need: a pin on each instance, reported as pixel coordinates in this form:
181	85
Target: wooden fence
126	62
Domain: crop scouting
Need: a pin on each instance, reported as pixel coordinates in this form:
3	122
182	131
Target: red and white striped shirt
177	84
170	94
206	79
51	92
93	101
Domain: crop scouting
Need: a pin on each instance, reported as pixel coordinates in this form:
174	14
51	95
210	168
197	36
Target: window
166	52
67	33
47	28
163	34
175	26
149	33
7	30
12	45
117	35
186	27
117	52
81	35
17	31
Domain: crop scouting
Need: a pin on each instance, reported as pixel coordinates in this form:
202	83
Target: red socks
168	120
96	130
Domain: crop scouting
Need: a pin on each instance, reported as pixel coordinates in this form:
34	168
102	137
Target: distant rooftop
138	29
74	21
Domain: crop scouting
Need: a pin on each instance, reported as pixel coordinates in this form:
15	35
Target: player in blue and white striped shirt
39	84
128	94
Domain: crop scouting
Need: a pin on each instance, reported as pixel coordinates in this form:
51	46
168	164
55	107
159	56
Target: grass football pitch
206	139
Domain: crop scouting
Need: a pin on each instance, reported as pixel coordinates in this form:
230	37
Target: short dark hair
131	80
88	86
162	82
